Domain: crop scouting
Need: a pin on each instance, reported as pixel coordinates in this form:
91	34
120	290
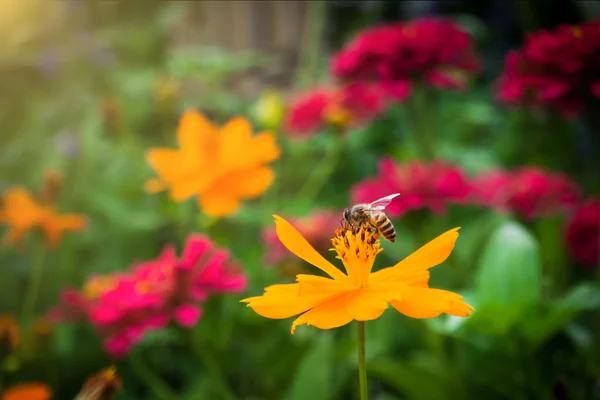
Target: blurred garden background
137	211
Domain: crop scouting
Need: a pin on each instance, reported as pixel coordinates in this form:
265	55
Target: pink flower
343	107
530	192
396	56
583	234
433	185
555	69
316	228
153	293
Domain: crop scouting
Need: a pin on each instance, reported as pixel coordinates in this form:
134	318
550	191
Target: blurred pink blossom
583	234
530	192
421	185
555	69
124	307
434	51
343	107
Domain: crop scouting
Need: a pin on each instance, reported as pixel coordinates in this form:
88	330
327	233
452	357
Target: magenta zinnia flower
125	306
343	107
555	69
433	51
529	192
421	185
583	234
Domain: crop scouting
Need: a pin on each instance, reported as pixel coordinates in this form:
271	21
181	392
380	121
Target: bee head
347	214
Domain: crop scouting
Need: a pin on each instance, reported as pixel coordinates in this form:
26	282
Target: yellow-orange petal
284	301
234	139
153	186
183	190
430	303
327	315
216	204
27	391
165	162
295	242
195	131
320	284
433	253
264	148
248	183
364	305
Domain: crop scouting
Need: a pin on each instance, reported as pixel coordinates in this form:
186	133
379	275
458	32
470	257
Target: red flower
316	228
124	307
583	233
430	50
557	69
530	192
347	106
433	186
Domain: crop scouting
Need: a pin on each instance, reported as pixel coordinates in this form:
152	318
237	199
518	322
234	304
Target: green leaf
508	282
583	297
414	382
313	379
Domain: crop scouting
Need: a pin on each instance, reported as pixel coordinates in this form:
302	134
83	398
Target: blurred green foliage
116	86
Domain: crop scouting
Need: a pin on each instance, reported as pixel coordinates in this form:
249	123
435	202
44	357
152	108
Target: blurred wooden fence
274	27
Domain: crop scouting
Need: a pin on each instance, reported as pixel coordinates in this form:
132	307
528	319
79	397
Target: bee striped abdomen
385	227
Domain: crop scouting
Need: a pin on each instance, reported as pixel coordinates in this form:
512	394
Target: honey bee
372	216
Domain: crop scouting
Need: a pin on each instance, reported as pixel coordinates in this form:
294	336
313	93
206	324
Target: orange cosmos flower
27	391
359	294
221	166
22	213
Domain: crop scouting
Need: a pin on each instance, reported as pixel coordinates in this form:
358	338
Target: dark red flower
431	50
421	185
530	192
555	69
583	233
341	108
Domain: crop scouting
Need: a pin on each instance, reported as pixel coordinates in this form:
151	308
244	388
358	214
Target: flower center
357	249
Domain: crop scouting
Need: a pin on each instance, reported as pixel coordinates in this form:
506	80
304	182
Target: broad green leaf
583	297
313	378
413	382
508	282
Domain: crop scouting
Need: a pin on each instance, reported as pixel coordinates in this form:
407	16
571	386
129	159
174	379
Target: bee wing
382	203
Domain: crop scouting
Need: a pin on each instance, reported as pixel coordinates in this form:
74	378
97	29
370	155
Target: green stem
33	289
153	381
362	362
420	112
312	40
321	176
203	353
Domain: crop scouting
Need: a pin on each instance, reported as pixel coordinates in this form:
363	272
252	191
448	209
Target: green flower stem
362	362
312	40
420	112
153	381
212	367
322	174
35	280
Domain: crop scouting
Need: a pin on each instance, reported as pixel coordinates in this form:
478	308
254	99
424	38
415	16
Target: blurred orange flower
22	213
359	294
9	331
28	391
220	165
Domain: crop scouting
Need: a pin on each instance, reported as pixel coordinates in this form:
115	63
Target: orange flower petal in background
20	212
359	294
28	391
221	166
54	225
